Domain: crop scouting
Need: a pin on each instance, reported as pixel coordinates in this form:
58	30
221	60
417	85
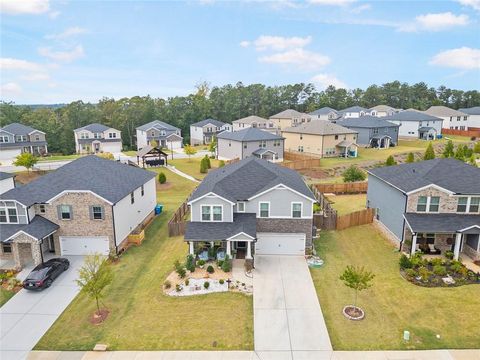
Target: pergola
151	156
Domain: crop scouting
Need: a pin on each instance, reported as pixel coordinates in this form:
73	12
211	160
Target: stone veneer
448	203
288	226
25	249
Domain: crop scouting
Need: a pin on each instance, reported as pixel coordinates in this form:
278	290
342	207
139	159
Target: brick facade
288	226
448	203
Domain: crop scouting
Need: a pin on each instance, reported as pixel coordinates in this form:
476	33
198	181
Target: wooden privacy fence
469	133
356	218
346	188
299	161
177	224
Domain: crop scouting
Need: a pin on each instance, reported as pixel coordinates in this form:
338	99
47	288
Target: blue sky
61	51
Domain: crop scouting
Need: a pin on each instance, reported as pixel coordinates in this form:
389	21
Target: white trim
301	209
211	206
244	206
408	224
181	137
64	192
35	130
281	187
231	238
22	232
8	132
208	194
260	209
470	227
428	186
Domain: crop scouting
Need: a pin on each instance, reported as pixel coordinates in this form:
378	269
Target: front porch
427	133
380	141
216	250
347	149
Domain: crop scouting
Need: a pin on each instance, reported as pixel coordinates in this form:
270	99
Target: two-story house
96	138
16	139
255	122
382	110
431	206
452	119
473	121
372	131
252	207
416	124
7	181
289	118
250	142
354	112
90	205
166	135
203	132
325	113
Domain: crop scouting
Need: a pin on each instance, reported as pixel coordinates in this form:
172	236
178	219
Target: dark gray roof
442	223
102	140
248	177
323	111
288	114
249	134
425	128
355	108
410	115
5	175
109	179
158	125
18	129
261	151
471	110
214	231
94	128
38	228
208	121
450	174
21	144
366	121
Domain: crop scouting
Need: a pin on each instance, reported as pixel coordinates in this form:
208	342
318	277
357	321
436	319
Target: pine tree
203	166
429	153
448	151
390	161
410	158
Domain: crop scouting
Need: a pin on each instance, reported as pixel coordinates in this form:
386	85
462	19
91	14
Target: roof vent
413	170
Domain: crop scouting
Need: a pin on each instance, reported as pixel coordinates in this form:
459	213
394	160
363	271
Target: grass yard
141	316
58	158
5	295
192	166
346	204
393	304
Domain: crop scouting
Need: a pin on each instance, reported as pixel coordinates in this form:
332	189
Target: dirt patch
24	177
99	317
314	173
165	186
353	313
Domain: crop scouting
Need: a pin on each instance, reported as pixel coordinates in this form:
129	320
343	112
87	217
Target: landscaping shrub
227	264
178	287
448	151
219	263
411	273
353	173
429	153
449	254
456	266
167	284
405	262
201	262
390	161
410	158
206	284
436	261
221	281
212	253
316	207
180	269
476	147
187	282
222	163
210	269
162	178
190	263
207	162
417	260
203	166
424	273
439	270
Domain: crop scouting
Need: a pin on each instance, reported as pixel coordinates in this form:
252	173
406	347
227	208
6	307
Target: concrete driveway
27	316
288	319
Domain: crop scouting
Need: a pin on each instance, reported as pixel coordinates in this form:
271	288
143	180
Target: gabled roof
248	134
355	108
208	121
319	127
450	174
38	228
410	115
471	110
443	111
288	114
251	119
366	121
19	129
248	177
441	223
94	128
383	108
5	175
213	231
157	124
108	179
324	111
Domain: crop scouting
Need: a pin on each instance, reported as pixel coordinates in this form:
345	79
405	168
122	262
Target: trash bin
158	209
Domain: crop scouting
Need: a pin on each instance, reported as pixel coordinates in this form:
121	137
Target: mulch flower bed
99	317
353	312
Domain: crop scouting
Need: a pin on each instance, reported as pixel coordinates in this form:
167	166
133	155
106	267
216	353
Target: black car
44	274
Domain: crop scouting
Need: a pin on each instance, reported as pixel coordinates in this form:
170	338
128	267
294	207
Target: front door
51	244
96	147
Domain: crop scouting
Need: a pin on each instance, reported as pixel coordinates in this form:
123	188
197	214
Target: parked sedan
44	274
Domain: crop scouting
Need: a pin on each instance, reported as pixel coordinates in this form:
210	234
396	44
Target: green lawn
346	204
59	157
392	305
5	295
141	316
192	166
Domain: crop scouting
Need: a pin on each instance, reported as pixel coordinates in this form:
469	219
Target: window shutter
71	212
90	211
59	212
103	212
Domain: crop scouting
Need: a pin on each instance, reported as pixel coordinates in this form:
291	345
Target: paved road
287	316
27	316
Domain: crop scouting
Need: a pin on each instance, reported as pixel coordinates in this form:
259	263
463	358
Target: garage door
80	245
280	244
9	154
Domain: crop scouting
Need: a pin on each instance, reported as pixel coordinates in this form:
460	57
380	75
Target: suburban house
382	110
473	122
251	207
89	205
16	139
354	112
97	138
250	142
325	113
256	122
416	124
372	131
7	181
203	132
452	119
166	135
431	205
321	138
289	118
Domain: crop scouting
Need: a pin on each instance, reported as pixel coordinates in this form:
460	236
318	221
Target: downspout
114	234
403	227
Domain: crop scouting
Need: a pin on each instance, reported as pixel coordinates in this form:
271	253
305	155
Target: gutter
403	226
114	234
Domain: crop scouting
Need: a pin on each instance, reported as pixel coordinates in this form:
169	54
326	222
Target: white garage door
113	148
280	244
81	245
9	154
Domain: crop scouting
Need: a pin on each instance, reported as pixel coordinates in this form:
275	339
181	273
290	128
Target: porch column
414	244
458	241
229	248
191	250
249	250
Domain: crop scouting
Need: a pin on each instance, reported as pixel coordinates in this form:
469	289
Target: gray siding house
250	142
416	124
16	139
251	207
430	206
372	131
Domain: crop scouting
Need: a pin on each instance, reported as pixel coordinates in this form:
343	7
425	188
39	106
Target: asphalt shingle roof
442	223
251	119
214	231
319	127
5	175
22	144
471	111
18	129
208	121
248	134
287	114
450	174
158	125
443	111
94	128
355	108
246	178
38	228
366	121
410	115
323	111
109	179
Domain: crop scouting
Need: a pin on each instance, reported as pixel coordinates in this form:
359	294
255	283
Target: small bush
180	269
424	273
178	287
190	263
405	262
316	207
206	284
221	163
221	281
162	178
411	273
207	162
417	260
449	254
410	158
210	269
201	262
227	264
212	253
167	284
390	161
456	266
187	282
353	173
203	166
440	270
436	261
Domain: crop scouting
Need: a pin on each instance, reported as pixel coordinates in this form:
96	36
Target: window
465	118
65	212
240	206
264	210
244	145
132	198
263	144
37	137
21	138
336	137
422	204
217	213
458	118
152	133
8	212
97	135
462	204
112	135
7	248
296	210
142	190
206	213
212	213
4	139
97	212
375	130
434	202
41	208
300	149
229	143
474	204
301	136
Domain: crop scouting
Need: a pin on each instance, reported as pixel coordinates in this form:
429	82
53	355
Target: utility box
158	209
406	335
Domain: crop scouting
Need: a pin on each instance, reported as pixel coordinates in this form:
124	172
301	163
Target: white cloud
17	7
19	64
245	43
69	32
331	2
300	58
463	58
360	8
35	77
435	22
9	89
62	56
279	43
322	81
472	3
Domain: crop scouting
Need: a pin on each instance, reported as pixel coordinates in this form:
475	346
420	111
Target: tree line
225	103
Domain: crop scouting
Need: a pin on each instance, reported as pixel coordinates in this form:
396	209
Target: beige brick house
90	205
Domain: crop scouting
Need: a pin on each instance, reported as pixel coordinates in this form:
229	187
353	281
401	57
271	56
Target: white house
203	132
416	124
97	138
473	122
354	112
166	135
325	113
256	122
452	119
